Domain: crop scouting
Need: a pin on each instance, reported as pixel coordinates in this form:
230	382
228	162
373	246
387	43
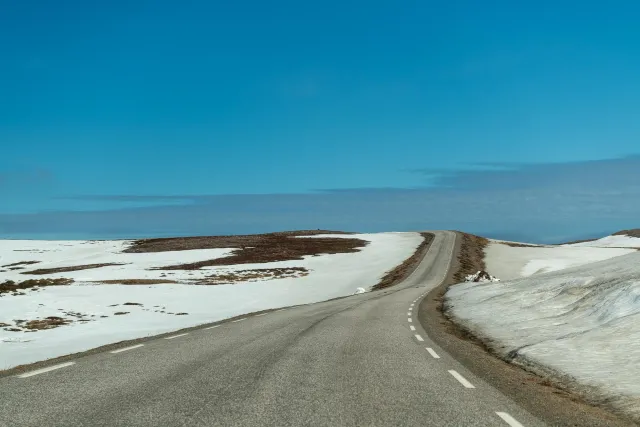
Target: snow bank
610	242
508	262
581	324
330	276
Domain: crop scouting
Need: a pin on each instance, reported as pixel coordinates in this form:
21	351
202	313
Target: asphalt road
349	362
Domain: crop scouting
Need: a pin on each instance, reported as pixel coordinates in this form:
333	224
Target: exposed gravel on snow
159	308
581	324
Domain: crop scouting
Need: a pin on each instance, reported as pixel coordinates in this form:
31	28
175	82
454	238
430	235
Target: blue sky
141	118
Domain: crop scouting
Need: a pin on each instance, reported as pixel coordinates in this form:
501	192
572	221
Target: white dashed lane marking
211	327
120	350
509	419
433	353
418	337
413	328
43	370
258	315
462	380
239	320
410	320
175	336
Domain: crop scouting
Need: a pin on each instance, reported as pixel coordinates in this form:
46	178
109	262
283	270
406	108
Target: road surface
358	361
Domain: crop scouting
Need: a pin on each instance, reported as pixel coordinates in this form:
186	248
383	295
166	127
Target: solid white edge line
509	419
413	328
418	337
211	327
462	380
433	353
120	350
175	336
43	370
239	320
409	320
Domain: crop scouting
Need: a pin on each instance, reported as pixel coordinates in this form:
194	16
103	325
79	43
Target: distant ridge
634	232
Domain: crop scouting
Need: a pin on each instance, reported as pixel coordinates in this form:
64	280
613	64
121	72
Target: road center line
120	350
43	370
211	327
462	380
175	336
239	320
418	337
409	320
413	328
433	353
509	419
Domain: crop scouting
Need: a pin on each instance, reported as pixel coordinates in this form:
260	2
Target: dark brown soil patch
254	249
11	286
132	303
136	282
15	264
67	269
404	270
120	313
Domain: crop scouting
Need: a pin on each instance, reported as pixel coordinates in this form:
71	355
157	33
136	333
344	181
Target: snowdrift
581	325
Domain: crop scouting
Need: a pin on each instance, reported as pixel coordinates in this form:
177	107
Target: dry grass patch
67	269
136	282
20	263
46	323
631	233
254	249
253	275
11	286
471	256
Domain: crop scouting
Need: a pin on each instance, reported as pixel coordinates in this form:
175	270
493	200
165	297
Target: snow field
330	276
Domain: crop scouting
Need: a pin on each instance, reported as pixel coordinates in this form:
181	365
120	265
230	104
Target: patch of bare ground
136	282
520	245
257	274
404	270
254	249
20	263
635	232
471	256
10	286
573	242
46	323
67	269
